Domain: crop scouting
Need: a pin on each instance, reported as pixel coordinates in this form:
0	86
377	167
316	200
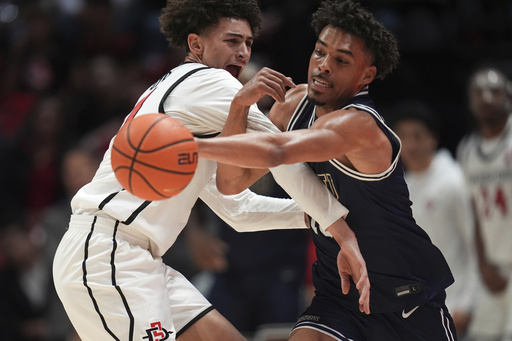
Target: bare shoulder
357	121
366	147
281	113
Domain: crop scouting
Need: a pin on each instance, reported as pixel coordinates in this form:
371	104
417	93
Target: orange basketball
154	156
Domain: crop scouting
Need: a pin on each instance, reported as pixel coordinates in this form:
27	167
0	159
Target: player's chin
314	98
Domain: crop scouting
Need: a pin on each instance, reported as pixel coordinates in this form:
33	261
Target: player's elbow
274	153
230	184
230	187
274	159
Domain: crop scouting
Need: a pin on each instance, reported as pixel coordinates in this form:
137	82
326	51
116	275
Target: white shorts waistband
107	226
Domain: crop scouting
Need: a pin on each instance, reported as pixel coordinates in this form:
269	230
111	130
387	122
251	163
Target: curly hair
352	18
181	17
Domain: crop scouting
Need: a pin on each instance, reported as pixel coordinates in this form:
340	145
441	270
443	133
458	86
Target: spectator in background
441	203
486	158
25	281
31	180
32	66
77	168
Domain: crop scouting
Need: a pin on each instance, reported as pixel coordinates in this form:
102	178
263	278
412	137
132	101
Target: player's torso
394	247
161	221
488	169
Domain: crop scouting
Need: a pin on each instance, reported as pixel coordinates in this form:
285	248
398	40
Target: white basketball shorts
113	288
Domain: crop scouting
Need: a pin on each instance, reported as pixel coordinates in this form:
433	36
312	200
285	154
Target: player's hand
351	263
265	82
208	252
492	278
461	320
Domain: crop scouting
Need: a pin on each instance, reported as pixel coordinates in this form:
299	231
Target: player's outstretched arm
339	133
267	150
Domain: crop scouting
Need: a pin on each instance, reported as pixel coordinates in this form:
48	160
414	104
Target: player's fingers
363	286
286	81
290	83
275	88
345	283
364	299
276	83
364	308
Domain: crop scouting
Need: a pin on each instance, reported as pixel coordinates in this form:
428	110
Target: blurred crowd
70	70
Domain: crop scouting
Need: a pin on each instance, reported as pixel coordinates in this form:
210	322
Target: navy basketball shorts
428	322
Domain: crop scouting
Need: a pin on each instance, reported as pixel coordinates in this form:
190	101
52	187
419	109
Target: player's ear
195	44
369	74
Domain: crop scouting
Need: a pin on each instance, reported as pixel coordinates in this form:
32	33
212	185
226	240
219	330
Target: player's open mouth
234	70
320	83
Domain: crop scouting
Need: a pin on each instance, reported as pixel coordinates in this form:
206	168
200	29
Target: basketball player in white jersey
486	158
107	269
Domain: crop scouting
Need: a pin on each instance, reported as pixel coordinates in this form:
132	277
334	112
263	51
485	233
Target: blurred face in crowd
226	46
78	169
17	246
488	98
339	67
418	144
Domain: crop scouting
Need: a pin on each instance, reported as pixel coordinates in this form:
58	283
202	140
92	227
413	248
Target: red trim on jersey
136	109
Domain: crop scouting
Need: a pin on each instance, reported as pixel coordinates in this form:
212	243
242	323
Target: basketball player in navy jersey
333	124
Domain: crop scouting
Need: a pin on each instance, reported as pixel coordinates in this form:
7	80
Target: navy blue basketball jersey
405	268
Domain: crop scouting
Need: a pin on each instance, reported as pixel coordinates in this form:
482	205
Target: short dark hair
181	17
354	19
415	110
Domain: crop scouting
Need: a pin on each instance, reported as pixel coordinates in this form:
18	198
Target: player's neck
193	58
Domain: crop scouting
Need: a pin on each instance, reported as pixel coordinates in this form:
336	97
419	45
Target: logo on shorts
156	332
409	313
313	318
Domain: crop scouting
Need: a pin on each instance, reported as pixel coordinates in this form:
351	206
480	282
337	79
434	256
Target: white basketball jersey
202	103
487	165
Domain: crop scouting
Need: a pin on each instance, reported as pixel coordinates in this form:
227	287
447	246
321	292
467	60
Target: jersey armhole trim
175	84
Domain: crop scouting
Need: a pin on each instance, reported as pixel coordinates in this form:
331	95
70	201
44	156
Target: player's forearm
236	123
340	231
247	211
233	179
303	185
233	182
241	150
